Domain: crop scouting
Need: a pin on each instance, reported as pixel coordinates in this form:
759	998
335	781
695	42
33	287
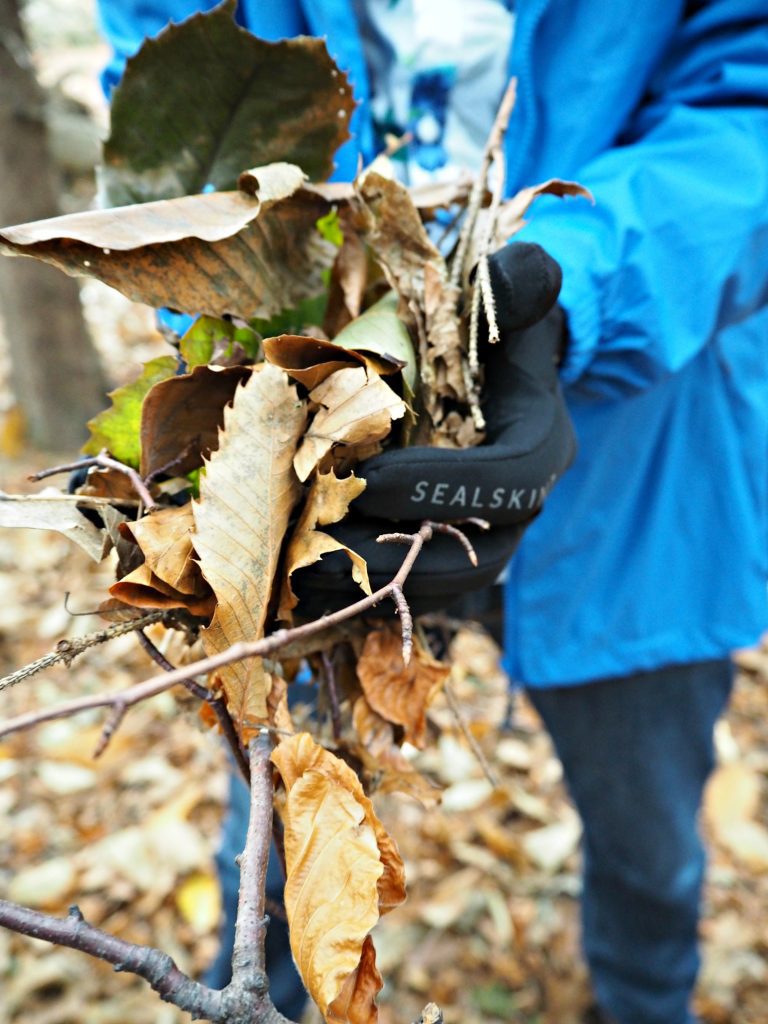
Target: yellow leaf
399	693
199	901
246	497
327	502
343	871
356	407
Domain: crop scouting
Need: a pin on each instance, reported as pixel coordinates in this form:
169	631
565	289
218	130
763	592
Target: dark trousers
637	752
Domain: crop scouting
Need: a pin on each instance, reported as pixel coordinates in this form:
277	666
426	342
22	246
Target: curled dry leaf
399	693
165	538
181	417
383	759
308	360
343	872
217	253
52	510
356	408
327	502
141	588
246	497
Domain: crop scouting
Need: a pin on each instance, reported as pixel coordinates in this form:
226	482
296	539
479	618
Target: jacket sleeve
676	247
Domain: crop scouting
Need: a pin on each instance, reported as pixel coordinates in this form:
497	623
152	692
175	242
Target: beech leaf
205	99
219	253
118	428
356	408
327	502
399	693
246	497
343	871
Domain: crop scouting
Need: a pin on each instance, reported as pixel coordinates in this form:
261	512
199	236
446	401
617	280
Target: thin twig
466	732
479	186
216	703
67	650
406	623
248	957
333	694
239	651
105	462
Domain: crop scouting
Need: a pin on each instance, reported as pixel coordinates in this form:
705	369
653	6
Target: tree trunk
55	371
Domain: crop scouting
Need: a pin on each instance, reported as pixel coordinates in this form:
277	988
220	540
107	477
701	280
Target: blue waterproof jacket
653	549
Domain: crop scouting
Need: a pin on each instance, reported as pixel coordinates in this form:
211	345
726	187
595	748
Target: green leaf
118	428
381	331
206	99
209	334
330	228
308	313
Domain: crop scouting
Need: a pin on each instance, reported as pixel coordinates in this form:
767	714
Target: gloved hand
530	443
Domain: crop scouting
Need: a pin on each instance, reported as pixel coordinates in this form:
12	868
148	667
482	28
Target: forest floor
490	928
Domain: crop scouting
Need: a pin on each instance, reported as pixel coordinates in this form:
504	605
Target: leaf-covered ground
490	929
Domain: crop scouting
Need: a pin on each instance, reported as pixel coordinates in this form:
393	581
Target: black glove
530	443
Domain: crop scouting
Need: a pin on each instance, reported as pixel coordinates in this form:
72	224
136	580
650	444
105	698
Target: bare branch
216	703
333	694
239	651
105	462
153	965
67	650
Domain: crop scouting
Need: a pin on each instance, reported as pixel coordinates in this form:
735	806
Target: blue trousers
636	753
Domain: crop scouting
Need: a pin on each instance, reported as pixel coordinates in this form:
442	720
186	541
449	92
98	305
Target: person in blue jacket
649	560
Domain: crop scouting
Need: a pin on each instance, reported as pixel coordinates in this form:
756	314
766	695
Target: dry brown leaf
343	871
52	510
143	589
398	692
512	213
393	228
181	417
356	407
327	502
165	538
217	253
357	1000
246	497
308	360
383	759
304	754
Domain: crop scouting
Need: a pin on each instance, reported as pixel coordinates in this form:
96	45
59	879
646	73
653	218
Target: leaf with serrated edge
246	497
205	99
327	502
343	871
355	407
381	331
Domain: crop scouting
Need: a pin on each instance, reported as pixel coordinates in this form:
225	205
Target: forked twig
105	462
67	650
239	651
